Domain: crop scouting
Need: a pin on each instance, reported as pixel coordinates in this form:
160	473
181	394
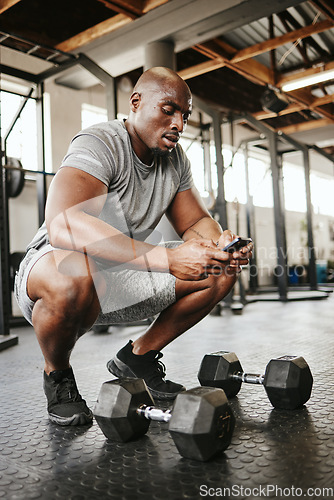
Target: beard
160	152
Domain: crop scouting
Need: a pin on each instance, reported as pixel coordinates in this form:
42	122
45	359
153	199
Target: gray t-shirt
139	194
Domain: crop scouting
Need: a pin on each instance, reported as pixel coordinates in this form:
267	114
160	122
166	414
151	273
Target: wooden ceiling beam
91	34
308	125
310	41
7	4
278	41
305	72
219	52
152	4
265	115
135	8
297	44
202	68
128	10
304	97
326	99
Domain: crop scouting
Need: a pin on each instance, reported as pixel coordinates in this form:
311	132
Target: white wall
23	217
65	109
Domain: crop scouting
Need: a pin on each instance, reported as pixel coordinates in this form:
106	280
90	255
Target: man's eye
168	111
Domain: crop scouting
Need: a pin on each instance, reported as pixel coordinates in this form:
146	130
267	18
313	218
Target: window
22	140
294	188
234	178
322	189
92	114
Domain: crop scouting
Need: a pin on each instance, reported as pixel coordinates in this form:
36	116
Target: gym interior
261	143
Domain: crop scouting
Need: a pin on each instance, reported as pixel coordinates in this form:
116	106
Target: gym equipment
15	177
287	380
14	263
201	422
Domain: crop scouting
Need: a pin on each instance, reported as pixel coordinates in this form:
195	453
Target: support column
41	178
220	202
205	142
6	340
220	207
107	80
277	177
310	242
4	282
160	54
250	219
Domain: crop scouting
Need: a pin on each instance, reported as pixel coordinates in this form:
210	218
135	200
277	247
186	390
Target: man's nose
178	122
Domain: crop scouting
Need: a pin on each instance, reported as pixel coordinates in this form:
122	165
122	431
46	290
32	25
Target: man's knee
214	288
64	280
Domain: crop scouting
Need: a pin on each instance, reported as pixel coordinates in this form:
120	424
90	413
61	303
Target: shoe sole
121	370
76	419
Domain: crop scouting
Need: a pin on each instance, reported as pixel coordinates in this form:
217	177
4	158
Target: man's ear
135	101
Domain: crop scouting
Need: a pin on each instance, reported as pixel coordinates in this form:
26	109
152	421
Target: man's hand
238	258
196	259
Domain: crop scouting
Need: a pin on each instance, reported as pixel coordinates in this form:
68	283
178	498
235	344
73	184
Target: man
89	262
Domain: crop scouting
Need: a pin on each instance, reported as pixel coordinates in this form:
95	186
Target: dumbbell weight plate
202	423
115	410
288	382
15	178
216	370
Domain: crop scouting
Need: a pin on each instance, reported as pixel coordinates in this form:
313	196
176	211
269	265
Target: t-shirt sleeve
186	178
90	154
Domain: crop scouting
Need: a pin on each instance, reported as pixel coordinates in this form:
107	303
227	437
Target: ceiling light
323	76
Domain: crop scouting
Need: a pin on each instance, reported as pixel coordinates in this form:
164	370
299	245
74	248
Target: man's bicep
186	209
73	189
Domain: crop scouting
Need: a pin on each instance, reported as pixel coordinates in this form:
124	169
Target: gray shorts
131	295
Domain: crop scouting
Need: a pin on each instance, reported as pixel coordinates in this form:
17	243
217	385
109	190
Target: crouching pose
90	262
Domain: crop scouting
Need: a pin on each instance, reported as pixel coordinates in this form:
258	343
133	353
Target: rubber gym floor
274	453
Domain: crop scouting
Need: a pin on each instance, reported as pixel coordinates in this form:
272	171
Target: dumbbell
201	422
287	380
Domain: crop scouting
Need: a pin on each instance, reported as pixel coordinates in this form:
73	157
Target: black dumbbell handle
152	413
249	378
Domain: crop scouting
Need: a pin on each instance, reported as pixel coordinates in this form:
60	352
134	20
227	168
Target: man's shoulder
106	131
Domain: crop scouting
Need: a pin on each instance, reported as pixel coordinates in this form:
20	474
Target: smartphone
236	244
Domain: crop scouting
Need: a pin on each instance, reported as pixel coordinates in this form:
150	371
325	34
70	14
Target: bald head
161	78
160	106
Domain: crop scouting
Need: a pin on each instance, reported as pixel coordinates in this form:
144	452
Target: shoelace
67	391
160	368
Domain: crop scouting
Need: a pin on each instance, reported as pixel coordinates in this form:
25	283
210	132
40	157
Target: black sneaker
65	405
148	367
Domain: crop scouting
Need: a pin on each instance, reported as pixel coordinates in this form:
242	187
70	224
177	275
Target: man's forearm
84	233
206	228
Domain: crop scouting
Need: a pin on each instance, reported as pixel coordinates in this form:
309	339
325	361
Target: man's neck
142	152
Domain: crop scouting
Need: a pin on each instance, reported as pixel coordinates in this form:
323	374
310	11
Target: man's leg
66	306
194	300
